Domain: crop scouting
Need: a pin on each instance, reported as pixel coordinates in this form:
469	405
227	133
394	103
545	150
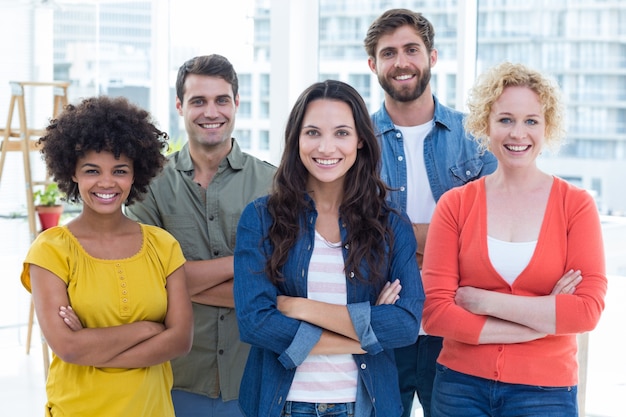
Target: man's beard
405	94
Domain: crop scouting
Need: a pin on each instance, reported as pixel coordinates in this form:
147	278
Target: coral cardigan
456	255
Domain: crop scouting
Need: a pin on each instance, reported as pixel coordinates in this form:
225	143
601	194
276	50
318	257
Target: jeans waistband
318	409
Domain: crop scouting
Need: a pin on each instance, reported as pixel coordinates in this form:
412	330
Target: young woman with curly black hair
109	293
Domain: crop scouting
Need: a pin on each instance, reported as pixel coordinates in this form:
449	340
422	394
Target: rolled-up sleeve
306	337
361	314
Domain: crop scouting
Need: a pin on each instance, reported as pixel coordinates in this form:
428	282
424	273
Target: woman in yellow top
109	293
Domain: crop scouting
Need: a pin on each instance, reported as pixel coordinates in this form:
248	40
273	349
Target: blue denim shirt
450	155
280	344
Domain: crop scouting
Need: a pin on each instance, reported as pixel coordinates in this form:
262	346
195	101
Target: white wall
26	51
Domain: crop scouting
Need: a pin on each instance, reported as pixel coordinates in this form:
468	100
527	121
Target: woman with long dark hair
326	278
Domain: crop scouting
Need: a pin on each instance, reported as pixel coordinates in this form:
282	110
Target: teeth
517	148
106	196
327	161
211	125
403	77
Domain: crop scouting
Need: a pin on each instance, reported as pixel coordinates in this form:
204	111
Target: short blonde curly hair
490	85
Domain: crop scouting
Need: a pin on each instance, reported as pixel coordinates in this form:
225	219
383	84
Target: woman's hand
567	283
70	318
390	293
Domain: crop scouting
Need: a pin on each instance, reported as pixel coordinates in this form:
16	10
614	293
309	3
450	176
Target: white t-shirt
420	201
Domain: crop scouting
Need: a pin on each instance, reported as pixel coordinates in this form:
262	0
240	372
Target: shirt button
216	252
222	317
398	135
468	172
400	158
363	366
221	351
402	188
211	218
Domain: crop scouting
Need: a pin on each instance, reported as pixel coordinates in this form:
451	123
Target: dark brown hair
210	65
393	19
364	210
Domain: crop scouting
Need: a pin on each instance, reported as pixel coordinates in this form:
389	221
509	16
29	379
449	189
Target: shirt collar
235	158
383	123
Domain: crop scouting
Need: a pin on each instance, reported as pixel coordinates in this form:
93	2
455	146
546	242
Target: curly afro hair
103	124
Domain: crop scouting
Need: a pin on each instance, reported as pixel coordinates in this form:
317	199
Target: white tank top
509	259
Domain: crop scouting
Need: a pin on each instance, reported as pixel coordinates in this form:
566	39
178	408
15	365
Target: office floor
22	386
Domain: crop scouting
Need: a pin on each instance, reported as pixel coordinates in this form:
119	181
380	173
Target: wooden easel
24	140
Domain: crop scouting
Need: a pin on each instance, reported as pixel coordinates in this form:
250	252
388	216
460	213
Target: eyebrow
508	113
336	127
90	165
219	96
406	45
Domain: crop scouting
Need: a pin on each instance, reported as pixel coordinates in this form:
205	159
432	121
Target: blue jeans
457	394
187	404
416	371
298	409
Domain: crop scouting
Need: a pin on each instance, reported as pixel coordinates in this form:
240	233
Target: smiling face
209	110
517	127
402	64
328	141
104	182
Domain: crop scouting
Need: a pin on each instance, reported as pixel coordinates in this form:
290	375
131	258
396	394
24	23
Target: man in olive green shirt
198	198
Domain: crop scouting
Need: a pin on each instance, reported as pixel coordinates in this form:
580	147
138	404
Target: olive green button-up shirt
205	224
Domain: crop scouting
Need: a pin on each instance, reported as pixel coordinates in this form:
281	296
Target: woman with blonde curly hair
514	264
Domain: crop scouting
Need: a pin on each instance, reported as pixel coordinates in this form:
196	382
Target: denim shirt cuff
360	314
306	337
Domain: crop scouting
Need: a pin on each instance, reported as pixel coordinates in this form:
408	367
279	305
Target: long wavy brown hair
364	209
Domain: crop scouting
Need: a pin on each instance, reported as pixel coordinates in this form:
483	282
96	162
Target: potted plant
48	205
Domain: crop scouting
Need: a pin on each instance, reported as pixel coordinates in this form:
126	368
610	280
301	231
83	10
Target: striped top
326	378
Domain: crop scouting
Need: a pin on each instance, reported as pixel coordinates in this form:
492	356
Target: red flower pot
49	216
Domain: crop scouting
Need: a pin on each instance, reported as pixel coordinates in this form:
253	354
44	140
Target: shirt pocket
186	232
466	171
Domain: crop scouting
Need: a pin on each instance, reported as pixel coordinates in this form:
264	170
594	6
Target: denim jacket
450	155
280	344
